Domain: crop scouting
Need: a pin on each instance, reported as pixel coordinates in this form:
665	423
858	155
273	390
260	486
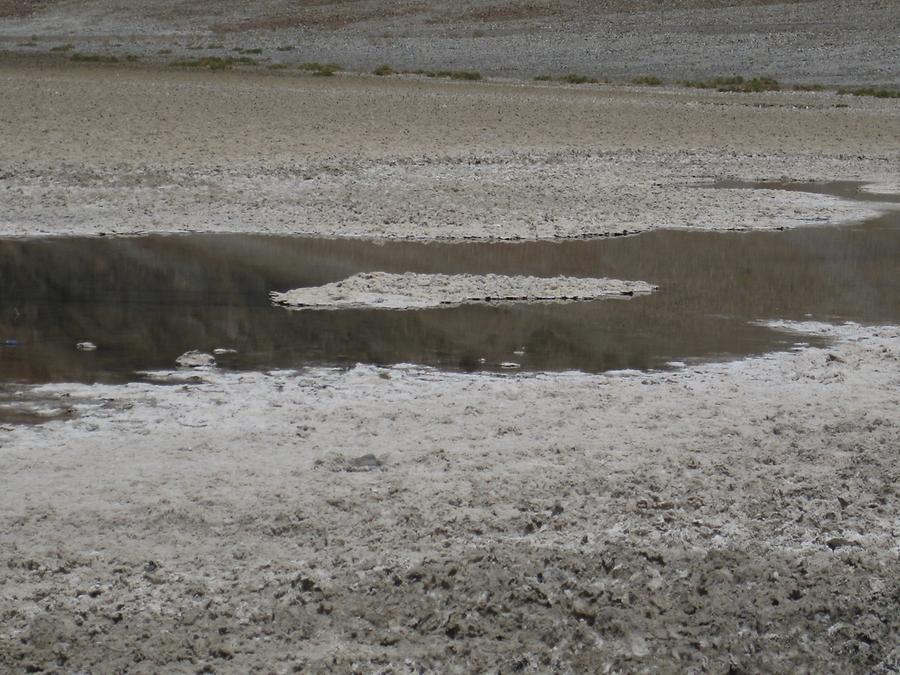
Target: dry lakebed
688	465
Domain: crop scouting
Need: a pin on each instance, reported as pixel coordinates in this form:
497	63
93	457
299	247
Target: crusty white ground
414	159
383	290
406	518
739	516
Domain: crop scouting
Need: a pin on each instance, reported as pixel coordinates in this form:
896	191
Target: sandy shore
732	517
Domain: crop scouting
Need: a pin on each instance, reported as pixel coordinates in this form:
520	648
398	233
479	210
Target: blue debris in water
11	343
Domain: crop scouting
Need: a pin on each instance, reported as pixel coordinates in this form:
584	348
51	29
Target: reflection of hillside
147	300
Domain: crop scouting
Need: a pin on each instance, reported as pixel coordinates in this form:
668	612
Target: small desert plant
320	69
285	48
871	91
384	70
63	48
451	74
755	85
478	34
715	82
215	45
164	51
573	78
809	87
131	58
277	66
213	62
647	80
462	75
93	58
252	50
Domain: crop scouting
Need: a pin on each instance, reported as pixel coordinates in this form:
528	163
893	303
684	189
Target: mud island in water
597	367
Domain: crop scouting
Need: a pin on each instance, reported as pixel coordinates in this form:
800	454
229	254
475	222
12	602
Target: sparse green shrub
164	51
755	85
647	80
131	58
451	74
384	70
93	58
573	78
277	66
715	82
285	48
63	48
214	62
320	69
871	91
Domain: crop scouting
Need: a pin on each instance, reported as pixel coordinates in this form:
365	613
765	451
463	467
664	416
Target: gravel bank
822	41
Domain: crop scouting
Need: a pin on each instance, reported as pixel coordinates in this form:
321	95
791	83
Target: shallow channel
144	301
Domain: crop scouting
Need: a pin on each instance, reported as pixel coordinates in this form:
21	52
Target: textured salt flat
381	290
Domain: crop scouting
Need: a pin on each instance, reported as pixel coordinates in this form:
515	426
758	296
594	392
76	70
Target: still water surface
144	301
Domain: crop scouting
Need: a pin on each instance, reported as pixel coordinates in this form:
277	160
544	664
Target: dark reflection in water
144	301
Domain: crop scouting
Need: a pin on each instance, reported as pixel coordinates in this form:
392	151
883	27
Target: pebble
195	359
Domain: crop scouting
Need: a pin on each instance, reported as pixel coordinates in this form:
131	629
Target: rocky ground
722	517
814	41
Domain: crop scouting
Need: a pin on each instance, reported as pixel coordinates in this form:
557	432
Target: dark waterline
144	301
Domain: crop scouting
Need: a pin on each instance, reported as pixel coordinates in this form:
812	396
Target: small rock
639	646
509	365
837	542
195	359
367	462
221	351
86	346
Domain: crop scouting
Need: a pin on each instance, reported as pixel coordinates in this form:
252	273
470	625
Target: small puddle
850	190
145	301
